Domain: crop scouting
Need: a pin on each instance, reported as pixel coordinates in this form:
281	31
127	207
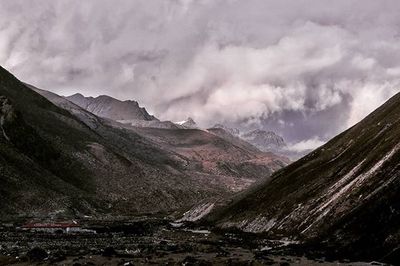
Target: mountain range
59	157
78	156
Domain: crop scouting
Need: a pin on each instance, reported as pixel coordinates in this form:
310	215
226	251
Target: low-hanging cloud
305	68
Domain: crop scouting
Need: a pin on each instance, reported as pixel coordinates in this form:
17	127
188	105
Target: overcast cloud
305	68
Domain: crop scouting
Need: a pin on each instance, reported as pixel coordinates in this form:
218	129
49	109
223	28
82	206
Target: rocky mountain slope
58	157
215	155
343	196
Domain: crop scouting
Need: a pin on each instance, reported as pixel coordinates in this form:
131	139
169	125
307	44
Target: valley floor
146	241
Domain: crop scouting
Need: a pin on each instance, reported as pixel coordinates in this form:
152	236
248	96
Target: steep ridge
343	196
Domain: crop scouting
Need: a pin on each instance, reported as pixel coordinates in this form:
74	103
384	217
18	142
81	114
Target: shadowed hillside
344	195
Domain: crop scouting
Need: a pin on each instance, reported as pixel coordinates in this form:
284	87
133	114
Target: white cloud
318	67
306	145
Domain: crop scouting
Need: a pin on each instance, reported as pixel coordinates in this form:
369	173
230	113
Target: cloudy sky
305	68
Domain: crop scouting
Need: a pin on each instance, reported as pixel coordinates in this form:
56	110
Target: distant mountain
233	131
265	140
126	112
108	107
188	123
342	197
223	133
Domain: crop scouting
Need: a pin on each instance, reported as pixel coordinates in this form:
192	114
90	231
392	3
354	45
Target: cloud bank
305	68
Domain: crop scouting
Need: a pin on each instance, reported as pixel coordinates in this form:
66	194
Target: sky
307	69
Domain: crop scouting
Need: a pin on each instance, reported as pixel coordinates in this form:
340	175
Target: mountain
58	157
233	131
264	140
125	112
343	197
227	135
108	107
213	155
219	156
188	123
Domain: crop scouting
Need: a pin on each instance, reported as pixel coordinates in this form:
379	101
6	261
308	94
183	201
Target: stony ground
144	242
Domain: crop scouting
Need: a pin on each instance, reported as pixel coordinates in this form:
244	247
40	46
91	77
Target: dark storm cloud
306	68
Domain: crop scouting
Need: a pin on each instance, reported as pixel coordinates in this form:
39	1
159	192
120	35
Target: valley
151	240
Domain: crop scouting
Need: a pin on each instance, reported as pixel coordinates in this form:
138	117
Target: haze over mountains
129	112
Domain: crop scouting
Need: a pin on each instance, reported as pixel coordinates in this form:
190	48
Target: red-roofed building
59	227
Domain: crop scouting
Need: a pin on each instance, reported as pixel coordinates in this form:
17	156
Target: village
138	241
55	227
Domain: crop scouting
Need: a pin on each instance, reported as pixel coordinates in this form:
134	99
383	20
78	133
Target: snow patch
197	212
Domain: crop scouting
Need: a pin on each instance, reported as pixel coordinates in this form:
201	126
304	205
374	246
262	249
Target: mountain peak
188	123
76	95
111	108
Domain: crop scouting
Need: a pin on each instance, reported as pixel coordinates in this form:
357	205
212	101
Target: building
59	227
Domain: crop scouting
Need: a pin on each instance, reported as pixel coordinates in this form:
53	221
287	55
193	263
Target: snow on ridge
180	122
